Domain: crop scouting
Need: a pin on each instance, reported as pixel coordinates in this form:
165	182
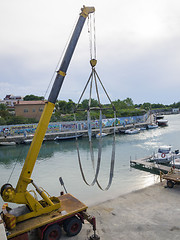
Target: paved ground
152	213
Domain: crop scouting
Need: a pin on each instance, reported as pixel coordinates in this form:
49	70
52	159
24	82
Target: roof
30	103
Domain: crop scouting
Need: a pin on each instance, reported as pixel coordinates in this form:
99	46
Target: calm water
60	159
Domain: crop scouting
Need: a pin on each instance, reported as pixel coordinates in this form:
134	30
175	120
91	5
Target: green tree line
64	110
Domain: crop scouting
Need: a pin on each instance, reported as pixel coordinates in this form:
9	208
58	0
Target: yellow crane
50	213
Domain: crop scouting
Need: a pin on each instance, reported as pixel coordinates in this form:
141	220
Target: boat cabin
164	149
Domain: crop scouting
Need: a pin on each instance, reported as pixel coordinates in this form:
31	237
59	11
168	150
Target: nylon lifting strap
93	75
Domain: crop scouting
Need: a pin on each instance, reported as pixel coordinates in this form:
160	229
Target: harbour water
59	159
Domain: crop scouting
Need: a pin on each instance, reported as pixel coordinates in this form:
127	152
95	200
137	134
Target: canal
59	159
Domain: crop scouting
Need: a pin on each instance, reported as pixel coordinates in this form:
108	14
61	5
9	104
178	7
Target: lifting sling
94	76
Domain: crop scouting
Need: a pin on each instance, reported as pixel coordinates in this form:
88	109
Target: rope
92	36
97	169
111	173
18	158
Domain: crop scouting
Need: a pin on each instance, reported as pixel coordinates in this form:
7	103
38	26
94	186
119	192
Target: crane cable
93	75
92	35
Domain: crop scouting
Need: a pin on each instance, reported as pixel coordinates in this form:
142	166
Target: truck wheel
170	184
72	226
53	232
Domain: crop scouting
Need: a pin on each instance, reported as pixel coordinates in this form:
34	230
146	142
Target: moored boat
7	143
165	155
175	163
58	138
159	117
132	131
101	135
152	125
162	122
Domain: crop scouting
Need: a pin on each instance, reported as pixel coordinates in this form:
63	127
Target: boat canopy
164	149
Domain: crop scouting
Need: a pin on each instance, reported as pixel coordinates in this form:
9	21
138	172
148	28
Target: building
11	100
175	110
29	109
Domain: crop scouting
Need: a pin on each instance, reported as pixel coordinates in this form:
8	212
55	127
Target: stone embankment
51	136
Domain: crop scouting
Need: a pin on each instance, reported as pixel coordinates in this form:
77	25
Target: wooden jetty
145	165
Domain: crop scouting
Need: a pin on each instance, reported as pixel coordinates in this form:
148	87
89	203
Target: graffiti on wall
71	126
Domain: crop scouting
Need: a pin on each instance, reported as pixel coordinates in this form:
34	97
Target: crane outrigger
50	213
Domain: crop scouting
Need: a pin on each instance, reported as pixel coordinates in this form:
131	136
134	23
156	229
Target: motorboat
68	137
159	117
175	163
162	122
165	155
101	135
152	125
7	143
132	131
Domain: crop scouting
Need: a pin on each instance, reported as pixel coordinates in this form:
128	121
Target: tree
70	106
61	107
85	102
146	106
33	98
129	102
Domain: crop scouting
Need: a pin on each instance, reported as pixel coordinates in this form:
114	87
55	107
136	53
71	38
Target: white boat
69	137
101	135
7	143
165	155
152	125
159	117
27	141
162	122
175	163
132	131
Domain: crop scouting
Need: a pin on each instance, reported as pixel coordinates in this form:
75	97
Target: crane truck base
70	216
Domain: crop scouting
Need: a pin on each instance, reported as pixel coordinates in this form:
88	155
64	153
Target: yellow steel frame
20	194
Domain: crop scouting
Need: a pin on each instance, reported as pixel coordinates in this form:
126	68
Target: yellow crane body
65	210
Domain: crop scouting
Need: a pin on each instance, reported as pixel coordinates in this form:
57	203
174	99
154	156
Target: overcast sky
137	41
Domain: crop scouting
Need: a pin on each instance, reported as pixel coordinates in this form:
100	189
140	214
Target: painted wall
70	126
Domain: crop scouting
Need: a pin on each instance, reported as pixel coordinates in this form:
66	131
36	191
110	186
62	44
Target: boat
101	135
165	155
7	143
162	122
143	128
152	125
175	163
58	138
159	117
27	141
132	131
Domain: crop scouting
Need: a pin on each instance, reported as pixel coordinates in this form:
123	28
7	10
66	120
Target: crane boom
20	193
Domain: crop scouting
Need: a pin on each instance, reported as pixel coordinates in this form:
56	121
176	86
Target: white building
11	100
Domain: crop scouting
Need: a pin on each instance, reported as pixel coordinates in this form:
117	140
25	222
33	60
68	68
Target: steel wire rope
61	56
18	158
92	36
70	35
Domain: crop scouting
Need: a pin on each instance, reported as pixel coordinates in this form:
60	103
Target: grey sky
138	48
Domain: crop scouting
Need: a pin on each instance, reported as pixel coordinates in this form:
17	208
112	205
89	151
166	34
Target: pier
145	165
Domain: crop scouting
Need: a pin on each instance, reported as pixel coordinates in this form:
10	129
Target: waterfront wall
71	126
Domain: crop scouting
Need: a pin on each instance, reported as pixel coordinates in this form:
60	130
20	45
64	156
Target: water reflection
9	154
